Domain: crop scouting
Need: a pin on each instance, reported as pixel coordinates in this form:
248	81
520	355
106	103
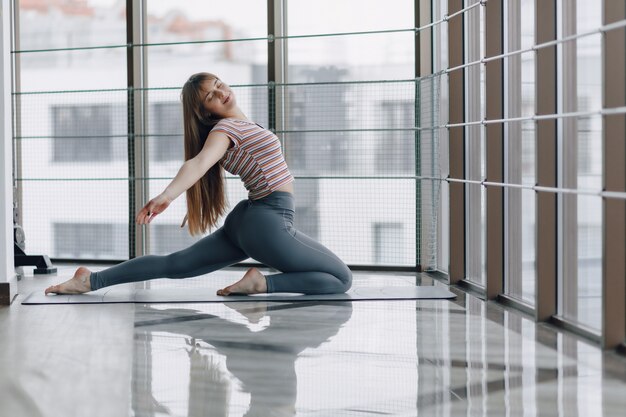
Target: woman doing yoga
218	136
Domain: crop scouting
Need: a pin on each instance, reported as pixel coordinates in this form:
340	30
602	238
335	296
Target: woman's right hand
155	206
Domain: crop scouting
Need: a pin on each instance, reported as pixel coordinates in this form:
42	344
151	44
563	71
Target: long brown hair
206	199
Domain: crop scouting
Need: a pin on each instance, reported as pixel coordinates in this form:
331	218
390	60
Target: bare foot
77	285
253	282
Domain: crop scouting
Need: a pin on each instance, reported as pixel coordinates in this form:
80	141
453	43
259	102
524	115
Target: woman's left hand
155	206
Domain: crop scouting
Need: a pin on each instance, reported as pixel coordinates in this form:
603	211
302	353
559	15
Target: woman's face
217	97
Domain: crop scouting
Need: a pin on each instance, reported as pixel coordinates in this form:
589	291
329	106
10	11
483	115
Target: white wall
7	268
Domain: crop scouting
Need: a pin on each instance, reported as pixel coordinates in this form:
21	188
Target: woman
218	136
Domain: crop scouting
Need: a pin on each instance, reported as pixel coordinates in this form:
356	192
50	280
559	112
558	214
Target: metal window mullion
141	117
456	137
278	73
271	63
494	142
546	161
137	149
614	179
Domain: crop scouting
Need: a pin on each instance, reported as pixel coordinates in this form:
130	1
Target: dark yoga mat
202	295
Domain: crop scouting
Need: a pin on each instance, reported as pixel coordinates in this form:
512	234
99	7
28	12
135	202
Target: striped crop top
256	156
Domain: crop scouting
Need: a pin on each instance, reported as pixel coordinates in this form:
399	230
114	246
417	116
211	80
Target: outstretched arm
192	170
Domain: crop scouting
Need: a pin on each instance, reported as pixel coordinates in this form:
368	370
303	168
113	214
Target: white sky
305	16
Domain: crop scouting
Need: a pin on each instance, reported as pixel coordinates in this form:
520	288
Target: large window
475	145
169	238
343	105
581	167
71	127
519	101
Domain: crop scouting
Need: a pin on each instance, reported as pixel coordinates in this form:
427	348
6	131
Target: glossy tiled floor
395	358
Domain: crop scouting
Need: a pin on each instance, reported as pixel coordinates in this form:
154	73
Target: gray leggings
260	229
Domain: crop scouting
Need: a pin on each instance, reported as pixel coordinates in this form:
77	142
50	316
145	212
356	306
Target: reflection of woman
209	388
219	136
263	361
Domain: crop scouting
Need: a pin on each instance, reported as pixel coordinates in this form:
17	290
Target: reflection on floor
398	358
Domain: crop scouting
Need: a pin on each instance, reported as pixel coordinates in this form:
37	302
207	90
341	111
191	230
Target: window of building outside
386	235
396	148
81	133
168	124
89	241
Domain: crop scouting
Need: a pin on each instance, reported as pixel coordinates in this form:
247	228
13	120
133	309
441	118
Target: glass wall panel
520	246
581	165
475	145
348	130
71	146
589	167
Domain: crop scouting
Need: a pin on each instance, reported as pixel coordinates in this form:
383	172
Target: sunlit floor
396	358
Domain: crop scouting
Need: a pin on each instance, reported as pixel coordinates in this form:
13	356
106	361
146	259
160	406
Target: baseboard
8	291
